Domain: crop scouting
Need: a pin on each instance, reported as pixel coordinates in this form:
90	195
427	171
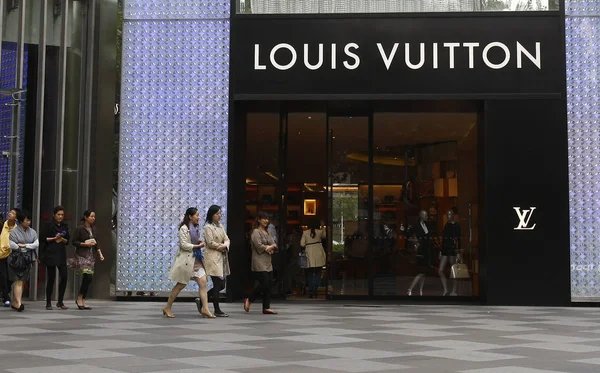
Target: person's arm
209	237
185	240
227	242
33	246
14	244
303	240
257	243
66	237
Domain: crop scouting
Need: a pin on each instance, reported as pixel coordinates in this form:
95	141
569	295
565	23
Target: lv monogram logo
524	219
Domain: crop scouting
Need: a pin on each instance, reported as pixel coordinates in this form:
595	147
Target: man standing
5	283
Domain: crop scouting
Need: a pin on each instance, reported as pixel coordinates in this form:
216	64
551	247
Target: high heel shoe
269	312
82	307
168	314
60	305
208	315
247	305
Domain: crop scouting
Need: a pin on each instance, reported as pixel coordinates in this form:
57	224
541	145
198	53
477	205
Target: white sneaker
7	303
409	292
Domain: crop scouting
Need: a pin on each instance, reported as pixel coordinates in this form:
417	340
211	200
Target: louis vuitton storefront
362	122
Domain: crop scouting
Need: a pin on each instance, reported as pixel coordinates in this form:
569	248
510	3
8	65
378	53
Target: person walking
188	264
263	247
84	260
24	244
5	282
216	259
312	242
53	254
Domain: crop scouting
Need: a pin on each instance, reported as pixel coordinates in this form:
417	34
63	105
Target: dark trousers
4	281
62	286
215	292
314	279
85	284
263	287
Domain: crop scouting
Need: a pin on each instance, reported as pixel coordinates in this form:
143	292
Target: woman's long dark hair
212	210
186	218
260	216
314	225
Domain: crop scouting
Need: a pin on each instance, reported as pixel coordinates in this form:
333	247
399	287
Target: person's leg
50	279
218	285
62	287
174	293
203	295
17	293
4	280
441	269
414	283
267	282
317	280
83	289
257	291
310	275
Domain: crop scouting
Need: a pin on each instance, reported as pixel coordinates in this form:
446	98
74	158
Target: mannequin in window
422	234
450	250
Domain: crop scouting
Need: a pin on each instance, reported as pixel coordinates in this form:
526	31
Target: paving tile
354	353
323	339
78	368
511	369
352	365
466	355
75	353
229	362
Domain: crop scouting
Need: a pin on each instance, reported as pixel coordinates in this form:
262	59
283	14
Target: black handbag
20	261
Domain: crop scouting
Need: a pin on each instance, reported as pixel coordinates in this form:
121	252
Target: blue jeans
314	279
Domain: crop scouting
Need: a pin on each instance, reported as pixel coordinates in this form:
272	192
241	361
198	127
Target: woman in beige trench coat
216	260
188	264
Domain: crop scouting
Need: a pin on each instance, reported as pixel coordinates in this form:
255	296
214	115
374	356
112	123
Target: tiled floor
305	337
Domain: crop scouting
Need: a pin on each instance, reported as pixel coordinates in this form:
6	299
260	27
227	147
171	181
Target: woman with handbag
312	242
450	252
24	245
84	260
263	247
53	254
188	264
5	282
216	259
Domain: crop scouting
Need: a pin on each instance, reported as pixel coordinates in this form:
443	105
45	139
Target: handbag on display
303	260
459	271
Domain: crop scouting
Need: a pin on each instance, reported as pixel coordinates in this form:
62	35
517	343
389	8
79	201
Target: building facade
352	115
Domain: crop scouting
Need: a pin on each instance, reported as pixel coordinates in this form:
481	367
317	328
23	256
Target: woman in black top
450	250
55	238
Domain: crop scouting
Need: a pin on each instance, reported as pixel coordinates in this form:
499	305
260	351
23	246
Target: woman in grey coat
263	247
23	244
188	264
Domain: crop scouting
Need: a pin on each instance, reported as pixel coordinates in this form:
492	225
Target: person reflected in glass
188	264
422	235
450	250
263	248
53	254
24	244
216	257
312	242
84	260
5	281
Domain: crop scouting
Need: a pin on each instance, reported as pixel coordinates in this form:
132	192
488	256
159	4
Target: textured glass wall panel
174	131
180	9
388	6
583	95
7	81
582	8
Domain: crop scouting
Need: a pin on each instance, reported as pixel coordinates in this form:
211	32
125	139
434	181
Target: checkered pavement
305	337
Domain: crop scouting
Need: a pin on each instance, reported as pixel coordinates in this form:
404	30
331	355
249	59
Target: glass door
348	197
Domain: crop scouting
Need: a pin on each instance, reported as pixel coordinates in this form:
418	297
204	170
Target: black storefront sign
513	64
454	55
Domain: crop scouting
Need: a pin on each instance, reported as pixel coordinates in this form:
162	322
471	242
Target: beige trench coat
261	260
183	265
315	253
214	260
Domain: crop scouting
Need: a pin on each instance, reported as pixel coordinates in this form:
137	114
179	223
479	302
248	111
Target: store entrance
381	178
